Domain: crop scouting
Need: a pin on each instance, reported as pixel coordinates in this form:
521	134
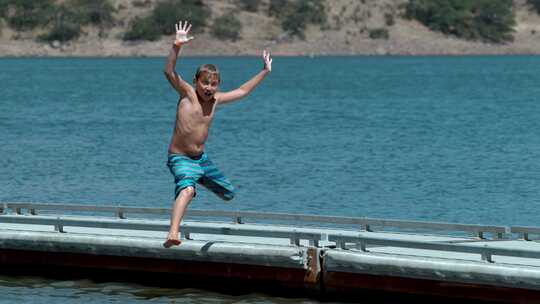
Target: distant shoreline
274	55
346	34
205	46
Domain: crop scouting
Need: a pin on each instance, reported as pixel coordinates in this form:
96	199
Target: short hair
207	68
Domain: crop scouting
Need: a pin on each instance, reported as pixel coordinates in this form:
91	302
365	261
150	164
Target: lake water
452	139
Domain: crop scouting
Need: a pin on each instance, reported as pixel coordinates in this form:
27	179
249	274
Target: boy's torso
193	120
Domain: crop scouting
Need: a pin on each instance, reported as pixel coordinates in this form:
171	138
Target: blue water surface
424	138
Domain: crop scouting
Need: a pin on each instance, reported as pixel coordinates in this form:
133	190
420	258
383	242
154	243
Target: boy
187	161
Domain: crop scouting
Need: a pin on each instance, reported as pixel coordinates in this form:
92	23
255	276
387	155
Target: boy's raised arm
174	79
247	87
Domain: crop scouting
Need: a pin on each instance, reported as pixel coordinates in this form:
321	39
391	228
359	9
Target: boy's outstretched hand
267	61
182	31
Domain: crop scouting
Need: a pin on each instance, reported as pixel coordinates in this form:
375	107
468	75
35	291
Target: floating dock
338	258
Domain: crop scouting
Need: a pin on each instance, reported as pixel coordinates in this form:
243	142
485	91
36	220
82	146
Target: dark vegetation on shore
484	20
476	20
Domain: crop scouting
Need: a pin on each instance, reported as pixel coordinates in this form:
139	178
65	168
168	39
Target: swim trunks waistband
196	157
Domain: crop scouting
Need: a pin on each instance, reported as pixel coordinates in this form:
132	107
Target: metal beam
525	231
61	222
239	217
485	251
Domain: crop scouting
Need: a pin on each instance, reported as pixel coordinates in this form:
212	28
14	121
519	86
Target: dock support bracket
361	246
120	213
486	257
186	235
58	226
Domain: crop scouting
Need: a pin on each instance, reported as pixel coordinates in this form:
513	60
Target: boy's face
207	85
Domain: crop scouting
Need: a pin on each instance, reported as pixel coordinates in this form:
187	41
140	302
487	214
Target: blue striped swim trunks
188	171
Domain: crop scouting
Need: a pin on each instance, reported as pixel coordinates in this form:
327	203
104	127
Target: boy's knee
188	191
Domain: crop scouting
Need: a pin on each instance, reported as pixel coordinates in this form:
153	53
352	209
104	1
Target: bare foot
171	242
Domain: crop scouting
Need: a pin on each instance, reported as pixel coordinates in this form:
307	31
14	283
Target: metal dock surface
321	256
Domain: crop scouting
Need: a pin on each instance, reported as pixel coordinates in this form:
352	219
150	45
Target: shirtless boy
187	161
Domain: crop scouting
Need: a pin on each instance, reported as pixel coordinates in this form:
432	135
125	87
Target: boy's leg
220	186
185	171
215	181
179	208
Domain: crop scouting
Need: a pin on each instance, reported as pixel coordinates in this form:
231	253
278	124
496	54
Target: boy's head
206	81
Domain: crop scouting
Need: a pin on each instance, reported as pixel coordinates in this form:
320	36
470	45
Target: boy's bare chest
196	114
